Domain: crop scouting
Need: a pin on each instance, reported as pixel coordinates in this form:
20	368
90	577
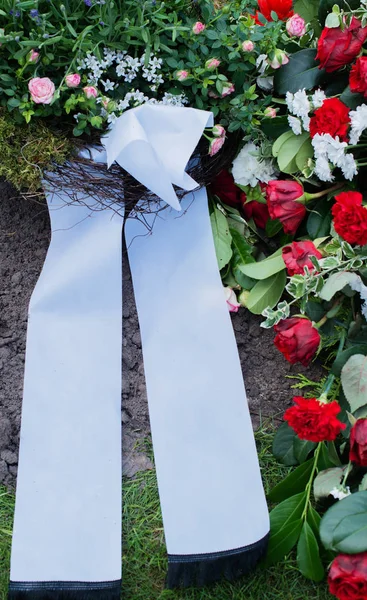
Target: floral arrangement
290	225
287	81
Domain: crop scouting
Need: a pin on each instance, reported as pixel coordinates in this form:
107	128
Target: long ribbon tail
67	530
213	504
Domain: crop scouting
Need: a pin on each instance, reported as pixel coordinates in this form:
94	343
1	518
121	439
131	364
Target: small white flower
249	168
306	120
295	125
358	119
108	85
301	104
318	98
340	493
349	167
322	169
289	100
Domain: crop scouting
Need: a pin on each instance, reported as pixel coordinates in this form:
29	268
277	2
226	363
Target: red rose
350	218
358	443
332	117
338	47
348	576
283	199
297	339
283	8
225	188
256	210
313	420
358	76
297	256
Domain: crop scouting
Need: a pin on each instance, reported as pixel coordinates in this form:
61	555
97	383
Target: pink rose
182	75
270	112
33	56
72	80
198	27
215	145
280	59
42	90
231	300
90	91
228	88
248	46
296	26
212	63
219	131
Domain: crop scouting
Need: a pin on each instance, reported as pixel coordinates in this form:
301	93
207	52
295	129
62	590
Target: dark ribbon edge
198	570
65	590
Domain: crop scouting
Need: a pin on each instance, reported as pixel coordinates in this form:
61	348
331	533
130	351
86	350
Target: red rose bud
283	8
332	117
350	218
358	443
255	210
297	256
358	76
283	198
225	188
313	420
338	47
348	576
297	340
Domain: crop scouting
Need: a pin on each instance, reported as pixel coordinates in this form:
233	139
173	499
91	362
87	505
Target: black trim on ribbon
202	569
65	590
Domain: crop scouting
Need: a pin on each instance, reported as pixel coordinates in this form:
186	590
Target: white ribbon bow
154	144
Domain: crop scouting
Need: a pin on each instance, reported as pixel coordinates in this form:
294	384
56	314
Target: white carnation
349	167
249	168
358	119
289	100
301	104
322	169
295	124
318	98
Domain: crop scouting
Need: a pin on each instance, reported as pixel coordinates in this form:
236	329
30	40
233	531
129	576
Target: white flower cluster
127	68
250	169
358	120
300	105
331	150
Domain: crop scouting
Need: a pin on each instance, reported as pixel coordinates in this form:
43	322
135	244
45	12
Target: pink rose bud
248	46
212	63
219	131
296	26
33	56
72	80
198	27
182	75
228	88
280	59
90	91
231	300
270	112
42	90
215	145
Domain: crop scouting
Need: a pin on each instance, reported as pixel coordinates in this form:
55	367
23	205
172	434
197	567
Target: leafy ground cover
144	557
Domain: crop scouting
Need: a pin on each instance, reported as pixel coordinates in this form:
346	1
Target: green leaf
294	483
344	527
326	460
319	220
307	9
326	6
243	249
283	445
222	237
326	481
272	227
266	293
285	527
280	141
340	361
308	555
314	520
302	449
265	268
337	282
287	156
351	99
304	153
354	381
302	71
363	484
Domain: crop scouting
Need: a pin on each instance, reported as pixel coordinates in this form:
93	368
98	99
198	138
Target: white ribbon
67	518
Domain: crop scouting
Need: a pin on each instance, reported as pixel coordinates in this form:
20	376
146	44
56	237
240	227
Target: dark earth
24	238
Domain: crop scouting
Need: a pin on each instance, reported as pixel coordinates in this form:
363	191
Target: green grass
144	557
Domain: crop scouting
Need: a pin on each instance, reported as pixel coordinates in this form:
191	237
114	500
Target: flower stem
347	471
309	484
335	187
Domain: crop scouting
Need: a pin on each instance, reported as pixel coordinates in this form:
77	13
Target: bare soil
24	238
